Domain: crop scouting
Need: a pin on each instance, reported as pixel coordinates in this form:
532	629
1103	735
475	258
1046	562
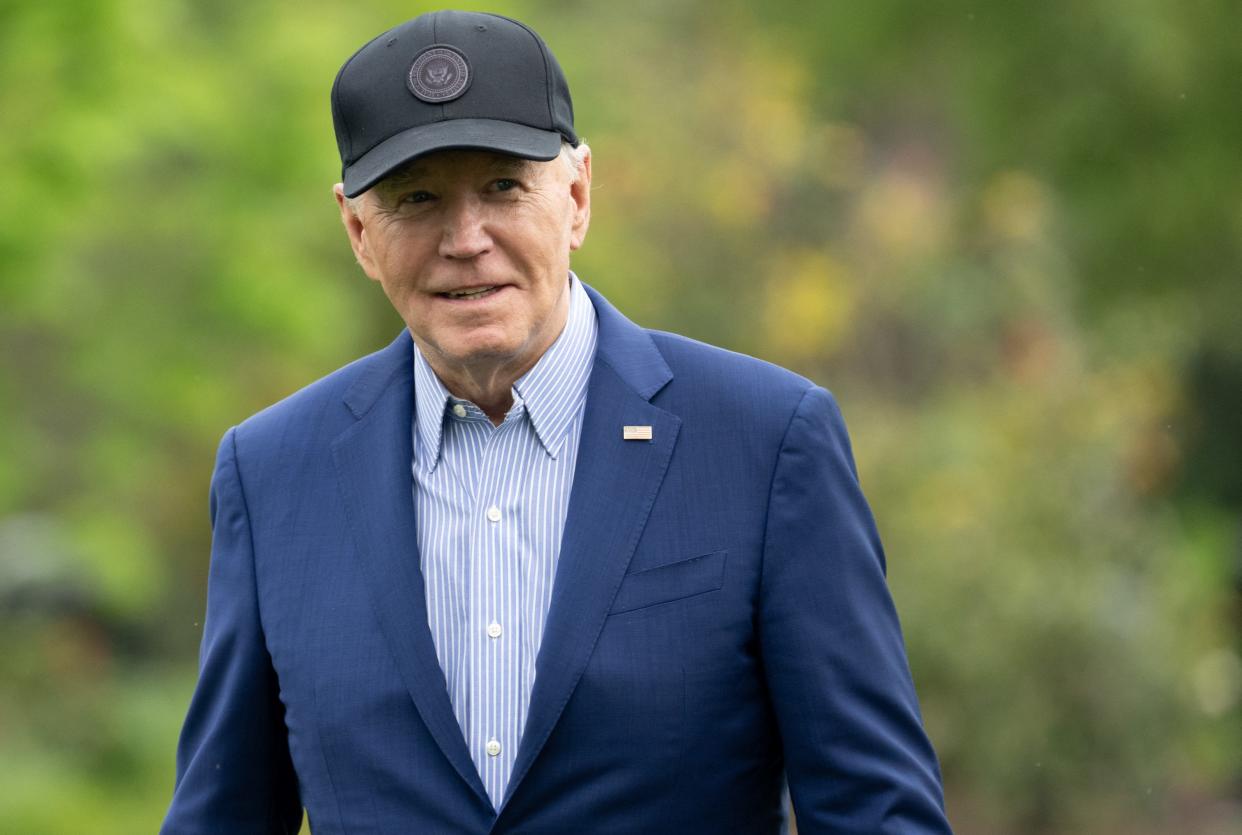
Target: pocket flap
673	581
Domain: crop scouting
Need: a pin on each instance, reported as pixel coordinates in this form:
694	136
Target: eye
505	184
418	197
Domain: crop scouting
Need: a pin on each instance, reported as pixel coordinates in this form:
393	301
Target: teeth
469	294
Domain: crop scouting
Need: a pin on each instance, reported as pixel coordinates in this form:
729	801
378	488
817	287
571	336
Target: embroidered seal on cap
439	74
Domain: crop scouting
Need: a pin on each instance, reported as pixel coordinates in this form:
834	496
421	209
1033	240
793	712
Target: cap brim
454	134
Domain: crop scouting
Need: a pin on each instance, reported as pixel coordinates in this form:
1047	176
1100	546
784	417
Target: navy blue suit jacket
720	619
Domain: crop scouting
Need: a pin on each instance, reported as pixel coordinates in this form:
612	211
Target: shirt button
493	513
459	410
493	748
494	630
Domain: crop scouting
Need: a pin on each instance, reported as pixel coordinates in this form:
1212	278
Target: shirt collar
552	392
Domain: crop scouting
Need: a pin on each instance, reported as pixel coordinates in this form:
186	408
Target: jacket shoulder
333	400
711	374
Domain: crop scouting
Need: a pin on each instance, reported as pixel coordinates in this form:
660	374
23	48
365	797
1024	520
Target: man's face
472	249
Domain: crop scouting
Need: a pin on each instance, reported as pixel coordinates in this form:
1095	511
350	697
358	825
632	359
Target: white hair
574	160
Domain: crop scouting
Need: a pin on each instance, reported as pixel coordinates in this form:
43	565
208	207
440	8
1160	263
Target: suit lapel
373	459
615	484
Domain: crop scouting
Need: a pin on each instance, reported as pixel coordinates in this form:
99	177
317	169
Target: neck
488	383
489	389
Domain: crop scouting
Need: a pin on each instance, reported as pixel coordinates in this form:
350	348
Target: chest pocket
674	581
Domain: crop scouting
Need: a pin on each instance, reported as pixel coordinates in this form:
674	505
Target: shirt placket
490	624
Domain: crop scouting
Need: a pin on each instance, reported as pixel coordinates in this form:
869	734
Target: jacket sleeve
234	773
856	756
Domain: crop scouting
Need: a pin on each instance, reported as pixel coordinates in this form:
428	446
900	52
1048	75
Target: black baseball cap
446	80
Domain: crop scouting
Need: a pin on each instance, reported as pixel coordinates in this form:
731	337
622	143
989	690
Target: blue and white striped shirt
491	504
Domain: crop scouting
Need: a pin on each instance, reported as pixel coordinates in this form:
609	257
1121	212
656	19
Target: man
532	568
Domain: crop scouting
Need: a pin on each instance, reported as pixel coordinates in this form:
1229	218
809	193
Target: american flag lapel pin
636	433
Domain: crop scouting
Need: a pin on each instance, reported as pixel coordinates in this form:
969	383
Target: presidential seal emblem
439	74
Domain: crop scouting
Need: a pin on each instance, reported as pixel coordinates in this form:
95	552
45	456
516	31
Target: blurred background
1007	236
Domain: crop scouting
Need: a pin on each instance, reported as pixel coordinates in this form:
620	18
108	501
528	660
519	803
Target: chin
482	351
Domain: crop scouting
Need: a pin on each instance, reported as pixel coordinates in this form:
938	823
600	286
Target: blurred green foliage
1008	237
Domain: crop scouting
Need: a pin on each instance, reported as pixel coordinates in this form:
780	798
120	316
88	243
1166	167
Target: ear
356	230
580	192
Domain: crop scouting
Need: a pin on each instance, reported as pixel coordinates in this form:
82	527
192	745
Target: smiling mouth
471	293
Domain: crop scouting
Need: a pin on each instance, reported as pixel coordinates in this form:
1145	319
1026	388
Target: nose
465	234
